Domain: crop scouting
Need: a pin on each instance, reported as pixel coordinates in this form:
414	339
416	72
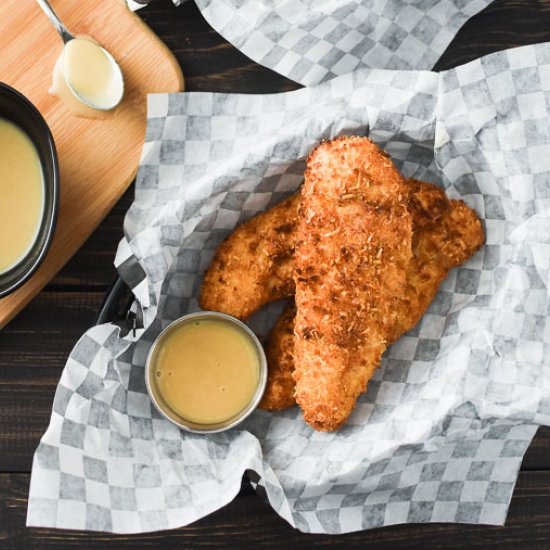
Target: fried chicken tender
354	247
253	266
445	234
279	351
441	243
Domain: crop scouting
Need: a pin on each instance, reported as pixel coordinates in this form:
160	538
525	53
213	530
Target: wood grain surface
34	347
98	158
248	522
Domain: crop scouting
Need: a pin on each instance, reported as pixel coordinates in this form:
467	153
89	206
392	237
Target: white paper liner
441	432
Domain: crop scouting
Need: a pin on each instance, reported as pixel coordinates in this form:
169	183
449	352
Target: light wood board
98	158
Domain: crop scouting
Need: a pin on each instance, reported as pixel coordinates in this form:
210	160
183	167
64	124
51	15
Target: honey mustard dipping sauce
21	194
206	370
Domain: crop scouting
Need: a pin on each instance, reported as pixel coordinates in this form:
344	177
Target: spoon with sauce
89	71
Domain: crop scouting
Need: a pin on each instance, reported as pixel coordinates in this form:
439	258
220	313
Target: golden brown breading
438	246
253	266
445	234
354	247
279	391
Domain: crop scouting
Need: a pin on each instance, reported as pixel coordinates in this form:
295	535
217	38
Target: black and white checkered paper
310	42
440	434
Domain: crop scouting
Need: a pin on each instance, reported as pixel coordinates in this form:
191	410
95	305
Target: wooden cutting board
98	158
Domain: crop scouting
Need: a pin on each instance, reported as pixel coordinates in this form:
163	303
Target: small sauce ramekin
164	408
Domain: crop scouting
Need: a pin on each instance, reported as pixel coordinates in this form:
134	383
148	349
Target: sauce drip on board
207	371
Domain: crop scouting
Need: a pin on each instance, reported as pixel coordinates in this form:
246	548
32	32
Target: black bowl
18	109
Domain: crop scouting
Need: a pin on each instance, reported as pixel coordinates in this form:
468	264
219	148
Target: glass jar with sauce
206	372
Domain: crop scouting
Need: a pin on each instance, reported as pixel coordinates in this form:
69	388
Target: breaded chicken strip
350	264
253	266
439	245
279	391
445	234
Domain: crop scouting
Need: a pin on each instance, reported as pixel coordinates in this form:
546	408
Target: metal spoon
66	36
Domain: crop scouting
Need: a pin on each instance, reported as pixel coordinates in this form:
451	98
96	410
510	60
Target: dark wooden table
34	347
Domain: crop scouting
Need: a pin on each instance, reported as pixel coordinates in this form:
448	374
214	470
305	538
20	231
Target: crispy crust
445	234
354	246
354	204
438	246
279	392
253	266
